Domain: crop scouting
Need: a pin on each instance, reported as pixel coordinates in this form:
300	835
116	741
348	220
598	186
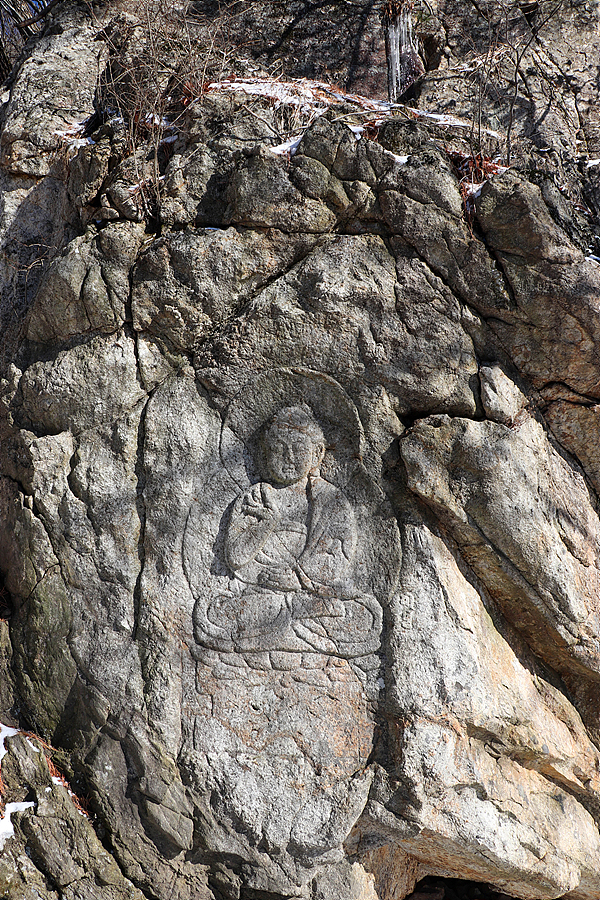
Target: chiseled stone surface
299	531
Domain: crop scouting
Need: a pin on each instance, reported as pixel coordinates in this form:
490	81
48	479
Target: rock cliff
299	464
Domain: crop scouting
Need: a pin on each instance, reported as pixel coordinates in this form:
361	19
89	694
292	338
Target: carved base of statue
261	620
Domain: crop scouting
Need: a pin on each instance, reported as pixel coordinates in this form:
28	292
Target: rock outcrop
299	517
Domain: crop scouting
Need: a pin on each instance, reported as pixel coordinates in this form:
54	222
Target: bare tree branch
26	23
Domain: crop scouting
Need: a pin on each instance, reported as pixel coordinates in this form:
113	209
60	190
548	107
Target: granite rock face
299	518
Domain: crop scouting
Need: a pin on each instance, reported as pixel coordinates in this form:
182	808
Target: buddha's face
289	454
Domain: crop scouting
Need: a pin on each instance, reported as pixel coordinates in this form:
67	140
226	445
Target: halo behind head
299	419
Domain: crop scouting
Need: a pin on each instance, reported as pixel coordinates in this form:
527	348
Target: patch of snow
71	131
146	182
78	143
401	160
288	147
33	747
62	782
6	731
160	121
591	163
440	118
313	98
449	121
595	258
308	97
357	131
6	826
71	141
472	190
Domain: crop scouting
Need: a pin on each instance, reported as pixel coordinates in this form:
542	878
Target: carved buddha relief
291	552
290	544
294	539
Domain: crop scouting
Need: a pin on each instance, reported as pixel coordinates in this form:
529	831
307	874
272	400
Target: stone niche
290	553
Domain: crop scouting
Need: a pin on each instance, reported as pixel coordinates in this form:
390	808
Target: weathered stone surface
549	340
36	218
298	502
261	194
501	399
478	717
59	838
186	283
576	427
87	288
54	92
348	308
535	544
56	393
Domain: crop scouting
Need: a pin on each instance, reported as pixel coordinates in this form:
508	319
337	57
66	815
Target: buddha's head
294	445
